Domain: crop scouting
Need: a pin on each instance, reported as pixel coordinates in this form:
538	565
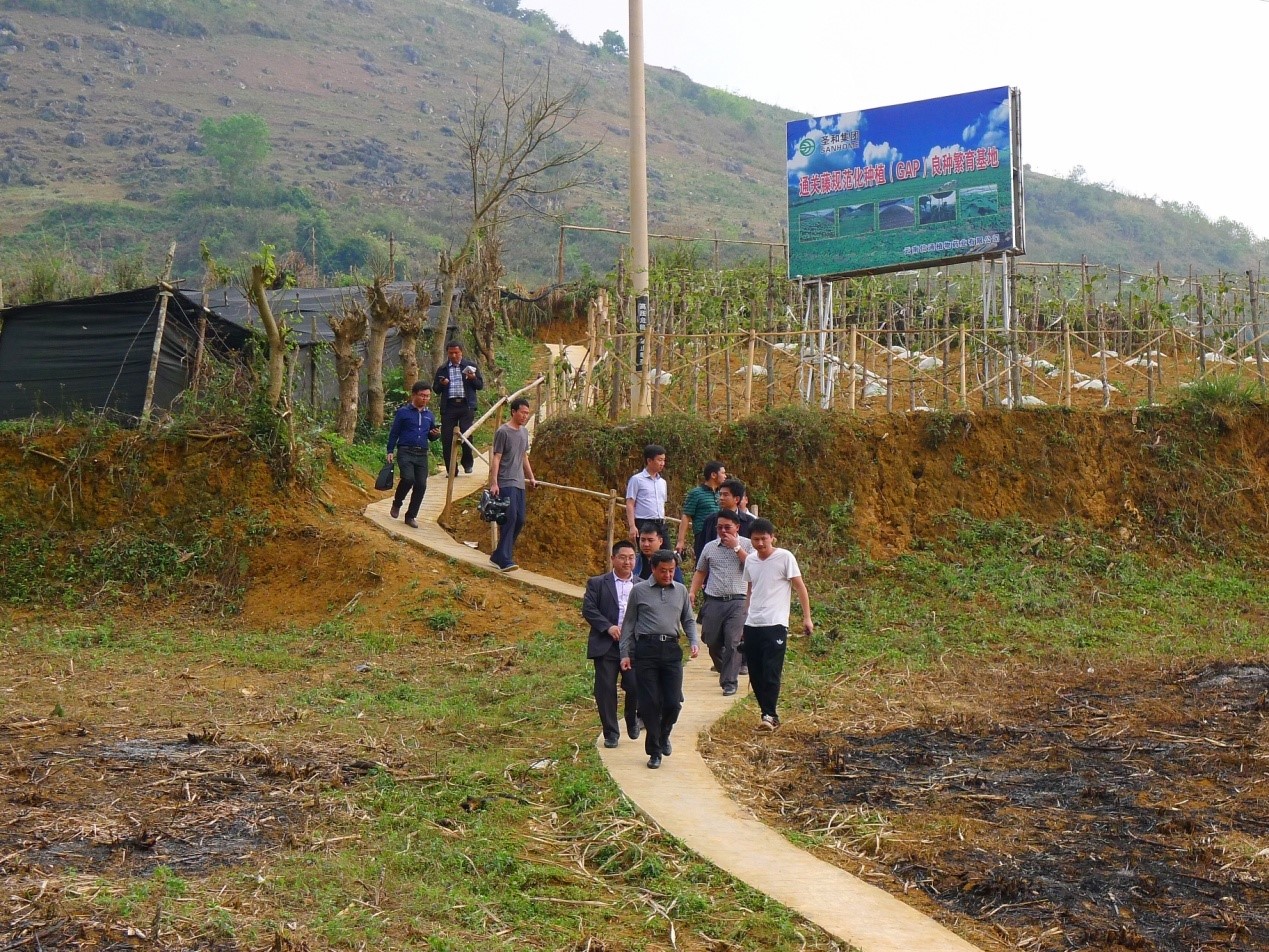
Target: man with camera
509	470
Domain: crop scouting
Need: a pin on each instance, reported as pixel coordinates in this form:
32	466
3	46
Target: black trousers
607	672
462	416
658	667
765	646
414	464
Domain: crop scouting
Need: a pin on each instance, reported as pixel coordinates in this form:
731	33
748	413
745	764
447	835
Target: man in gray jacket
656	611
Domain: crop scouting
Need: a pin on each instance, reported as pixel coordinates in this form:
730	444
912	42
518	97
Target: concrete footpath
685	800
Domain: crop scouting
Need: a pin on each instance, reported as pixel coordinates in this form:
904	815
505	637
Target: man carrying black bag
412	427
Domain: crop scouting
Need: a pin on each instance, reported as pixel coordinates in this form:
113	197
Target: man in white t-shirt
771	575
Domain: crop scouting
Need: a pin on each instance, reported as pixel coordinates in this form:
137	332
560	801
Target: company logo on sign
807	146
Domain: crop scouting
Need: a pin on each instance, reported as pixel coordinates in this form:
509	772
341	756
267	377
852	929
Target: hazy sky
1154	98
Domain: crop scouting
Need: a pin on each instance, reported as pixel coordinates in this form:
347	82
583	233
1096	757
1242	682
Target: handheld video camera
493	508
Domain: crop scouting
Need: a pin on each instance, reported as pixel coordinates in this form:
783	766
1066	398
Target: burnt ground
1059	809
91	808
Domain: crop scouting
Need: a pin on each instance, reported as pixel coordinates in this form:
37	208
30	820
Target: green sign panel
905	186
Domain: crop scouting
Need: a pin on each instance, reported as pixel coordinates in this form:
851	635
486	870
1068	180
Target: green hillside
103	105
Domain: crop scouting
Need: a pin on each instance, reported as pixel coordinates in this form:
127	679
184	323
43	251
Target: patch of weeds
358	459
443	619
1063	438
782	437
201	557
940	425
1225	392
959	467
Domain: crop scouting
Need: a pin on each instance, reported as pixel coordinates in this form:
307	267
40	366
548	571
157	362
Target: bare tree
349	325
259	279
386	313
516	154
412	323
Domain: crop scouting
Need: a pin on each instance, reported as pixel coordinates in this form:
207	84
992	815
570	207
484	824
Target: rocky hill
101	105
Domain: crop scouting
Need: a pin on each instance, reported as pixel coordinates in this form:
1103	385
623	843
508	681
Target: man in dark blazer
455	385
604	608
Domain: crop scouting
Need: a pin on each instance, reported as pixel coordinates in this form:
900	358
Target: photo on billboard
904	186
857	219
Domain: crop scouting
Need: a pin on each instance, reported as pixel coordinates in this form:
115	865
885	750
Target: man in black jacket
455	384
604	608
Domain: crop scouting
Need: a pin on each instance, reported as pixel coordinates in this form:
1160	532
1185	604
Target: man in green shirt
701	503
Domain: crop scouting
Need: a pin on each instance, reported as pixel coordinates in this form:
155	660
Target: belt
657	638
457	399
723	598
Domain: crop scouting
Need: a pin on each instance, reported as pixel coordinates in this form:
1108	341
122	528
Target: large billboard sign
917	184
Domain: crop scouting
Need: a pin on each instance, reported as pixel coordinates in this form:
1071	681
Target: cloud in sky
881	152
994	126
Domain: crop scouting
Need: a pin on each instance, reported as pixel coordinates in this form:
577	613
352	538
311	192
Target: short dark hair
652	451
761	526
419	386
661	556
711	468
453	343
734	486
622	544
651	527
517	403
730	515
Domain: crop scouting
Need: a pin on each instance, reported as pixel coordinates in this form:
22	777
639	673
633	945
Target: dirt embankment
885	484
161	527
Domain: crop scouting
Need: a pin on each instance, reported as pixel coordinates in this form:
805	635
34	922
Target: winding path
685	800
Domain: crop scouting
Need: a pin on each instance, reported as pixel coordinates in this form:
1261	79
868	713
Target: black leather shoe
654	761
666	749
610	742
412	523
633	731
395	510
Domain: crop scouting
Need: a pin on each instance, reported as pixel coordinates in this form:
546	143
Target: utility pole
639	211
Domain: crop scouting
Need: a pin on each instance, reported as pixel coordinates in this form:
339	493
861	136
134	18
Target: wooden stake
1069	357
753	342
200	348
964	372
165	295
1101	347
612	520
1253	294
854	355
1202	354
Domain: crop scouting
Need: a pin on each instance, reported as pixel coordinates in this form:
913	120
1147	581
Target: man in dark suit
604	608
454	385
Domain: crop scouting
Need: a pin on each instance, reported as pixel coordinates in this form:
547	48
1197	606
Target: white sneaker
768	723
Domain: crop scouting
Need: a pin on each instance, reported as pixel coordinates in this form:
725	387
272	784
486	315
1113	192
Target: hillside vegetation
103	108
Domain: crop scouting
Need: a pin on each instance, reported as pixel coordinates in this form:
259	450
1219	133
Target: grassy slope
490	814
365	132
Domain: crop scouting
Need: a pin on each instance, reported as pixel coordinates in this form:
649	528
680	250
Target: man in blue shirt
412	427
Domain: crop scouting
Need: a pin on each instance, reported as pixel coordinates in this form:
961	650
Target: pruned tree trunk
384	315
449	267
483	271
412	323
257	284
349	326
